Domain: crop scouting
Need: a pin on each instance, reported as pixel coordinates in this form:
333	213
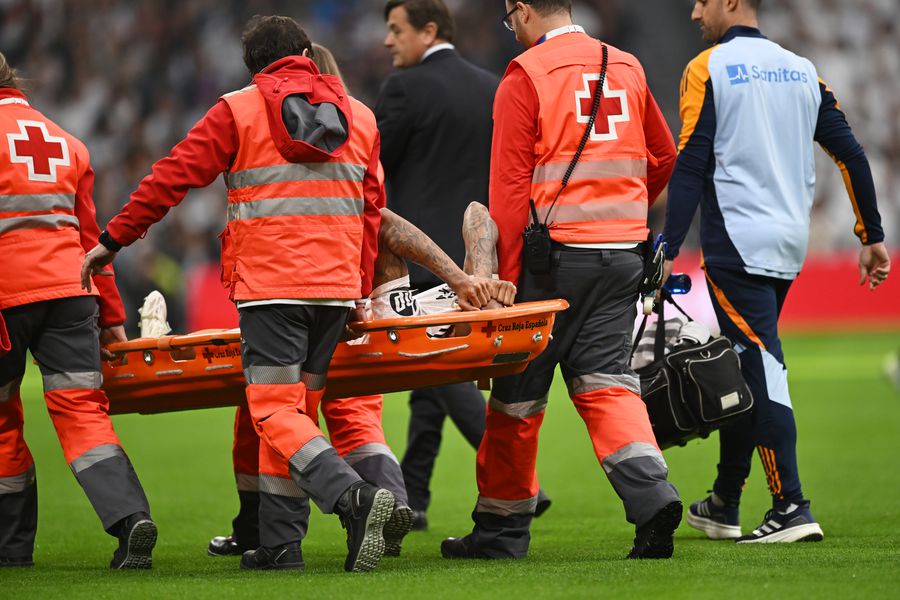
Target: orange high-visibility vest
40	167
606	198
295	230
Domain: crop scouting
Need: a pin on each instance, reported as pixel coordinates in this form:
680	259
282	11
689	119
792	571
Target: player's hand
111	335
356	315
666	273
502	292
472	292
874	264
94	261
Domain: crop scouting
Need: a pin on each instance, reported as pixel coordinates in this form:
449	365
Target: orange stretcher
203	369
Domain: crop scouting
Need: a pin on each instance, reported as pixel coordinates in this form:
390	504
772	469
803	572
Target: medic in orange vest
301	169
47	222
593	257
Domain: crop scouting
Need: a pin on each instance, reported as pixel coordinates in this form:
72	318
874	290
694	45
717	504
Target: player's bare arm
401	238
480	235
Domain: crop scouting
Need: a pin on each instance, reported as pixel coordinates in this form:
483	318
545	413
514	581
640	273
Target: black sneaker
288	556
419	520
461	548
136	541
16	561
656	538
364	509
396	528
226	546
543	503
717	522
794	525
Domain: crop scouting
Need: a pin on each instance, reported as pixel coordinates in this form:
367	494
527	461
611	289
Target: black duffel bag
694	389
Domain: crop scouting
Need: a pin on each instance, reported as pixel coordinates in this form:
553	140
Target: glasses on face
507	20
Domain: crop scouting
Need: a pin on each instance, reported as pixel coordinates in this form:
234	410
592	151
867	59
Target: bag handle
659	341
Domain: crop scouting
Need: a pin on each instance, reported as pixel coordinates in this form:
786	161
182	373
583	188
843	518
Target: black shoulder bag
536	237
695	389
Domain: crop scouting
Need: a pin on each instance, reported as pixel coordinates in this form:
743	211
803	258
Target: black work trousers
465	406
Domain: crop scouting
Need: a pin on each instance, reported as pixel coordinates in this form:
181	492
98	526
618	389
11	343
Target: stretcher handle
525	309
230	336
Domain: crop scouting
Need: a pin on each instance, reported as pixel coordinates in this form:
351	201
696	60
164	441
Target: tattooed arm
399	239
480	235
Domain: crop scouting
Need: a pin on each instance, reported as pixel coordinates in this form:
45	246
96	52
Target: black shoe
656	538
364	509
226	546
283	557
460	548
419	521
136	541
16	561
396	528
543	503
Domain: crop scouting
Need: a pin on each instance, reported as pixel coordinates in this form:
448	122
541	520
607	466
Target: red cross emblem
489	329
613	108
41	152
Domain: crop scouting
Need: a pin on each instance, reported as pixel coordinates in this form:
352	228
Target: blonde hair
325	61
8	77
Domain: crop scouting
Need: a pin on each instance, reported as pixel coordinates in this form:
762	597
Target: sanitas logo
740	74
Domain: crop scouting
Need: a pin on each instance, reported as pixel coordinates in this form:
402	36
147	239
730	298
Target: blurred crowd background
130	77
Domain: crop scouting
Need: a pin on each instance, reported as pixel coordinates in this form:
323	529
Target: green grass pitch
849	429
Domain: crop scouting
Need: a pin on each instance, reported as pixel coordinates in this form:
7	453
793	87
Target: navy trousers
747	308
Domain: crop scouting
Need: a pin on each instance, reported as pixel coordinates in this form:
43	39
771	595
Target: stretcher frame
203	369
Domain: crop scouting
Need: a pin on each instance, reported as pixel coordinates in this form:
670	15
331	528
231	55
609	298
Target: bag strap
598	94
659	343
659	340
668	296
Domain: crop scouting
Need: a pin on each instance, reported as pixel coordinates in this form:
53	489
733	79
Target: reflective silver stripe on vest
261	375
15	484
88	380
10	389
279	486
288	207
633	450
595	211
519	410
95	455
310	450
246	482
506	508
598	381
591	169
38	222
314	381
367	451
36	202
295	172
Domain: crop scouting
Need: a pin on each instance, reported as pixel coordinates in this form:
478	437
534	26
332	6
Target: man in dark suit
434	115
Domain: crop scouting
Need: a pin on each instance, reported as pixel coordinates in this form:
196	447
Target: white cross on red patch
613	108
41	152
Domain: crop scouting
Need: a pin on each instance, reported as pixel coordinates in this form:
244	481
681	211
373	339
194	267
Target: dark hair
754	4
8	77
423	12
549	7
269	38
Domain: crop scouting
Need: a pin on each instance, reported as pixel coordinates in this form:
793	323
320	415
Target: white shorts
395	299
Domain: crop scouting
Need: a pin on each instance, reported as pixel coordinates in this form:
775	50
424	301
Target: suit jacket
435	124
